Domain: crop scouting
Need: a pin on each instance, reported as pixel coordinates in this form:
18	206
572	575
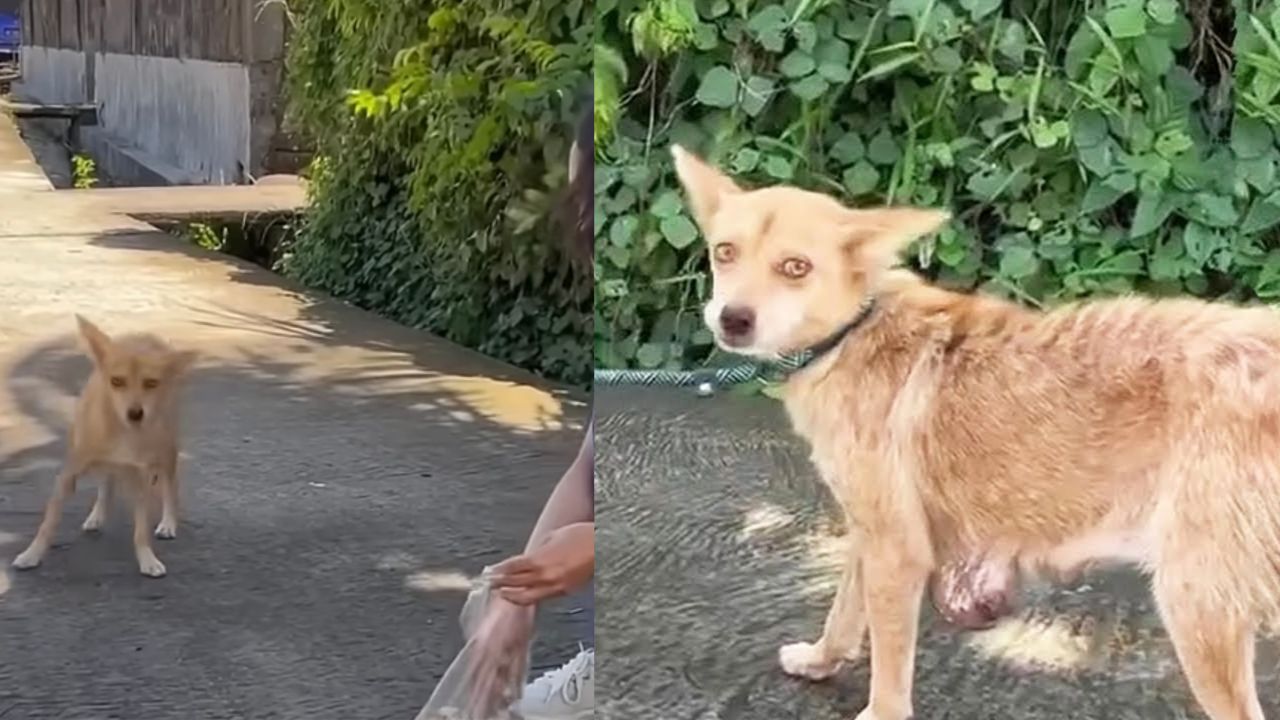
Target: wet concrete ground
342	478
716	545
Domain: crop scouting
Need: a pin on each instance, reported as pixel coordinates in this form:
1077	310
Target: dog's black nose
737	321
134	414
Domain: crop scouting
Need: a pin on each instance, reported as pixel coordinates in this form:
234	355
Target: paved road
343	476
716	546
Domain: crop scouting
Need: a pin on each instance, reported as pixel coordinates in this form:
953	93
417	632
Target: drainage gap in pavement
262	240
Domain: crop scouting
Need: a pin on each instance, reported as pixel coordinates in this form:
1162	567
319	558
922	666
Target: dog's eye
725	253
150	383
796	268
117	382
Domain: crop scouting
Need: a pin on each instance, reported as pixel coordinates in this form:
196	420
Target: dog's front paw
28	559
167	530
151	566
806	660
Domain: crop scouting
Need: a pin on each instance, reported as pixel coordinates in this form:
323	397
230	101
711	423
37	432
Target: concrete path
717	545
343	478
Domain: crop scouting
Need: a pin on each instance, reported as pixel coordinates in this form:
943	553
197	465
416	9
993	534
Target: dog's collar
795	362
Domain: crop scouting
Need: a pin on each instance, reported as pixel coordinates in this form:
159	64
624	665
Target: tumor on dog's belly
974	591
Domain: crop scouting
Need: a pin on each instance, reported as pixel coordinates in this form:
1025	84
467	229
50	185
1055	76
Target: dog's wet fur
126	430
970	440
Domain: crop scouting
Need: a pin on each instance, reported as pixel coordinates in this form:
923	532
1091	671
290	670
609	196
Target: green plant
443	134
83	172
1084	147
205	236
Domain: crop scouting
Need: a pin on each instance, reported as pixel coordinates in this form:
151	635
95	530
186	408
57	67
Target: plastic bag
453	694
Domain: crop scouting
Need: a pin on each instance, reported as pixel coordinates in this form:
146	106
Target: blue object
10	34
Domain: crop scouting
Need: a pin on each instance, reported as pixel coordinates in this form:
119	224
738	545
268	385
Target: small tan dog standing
126	427
959	430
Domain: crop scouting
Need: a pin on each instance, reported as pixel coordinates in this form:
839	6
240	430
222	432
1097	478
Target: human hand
564	561
499	657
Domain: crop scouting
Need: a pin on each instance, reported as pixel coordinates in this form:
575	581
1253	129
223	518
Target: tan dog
126	426
955	427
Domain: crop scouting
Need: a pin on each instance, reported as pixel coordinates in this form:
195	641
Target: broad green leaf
833	60
1013	41
1152	210
1084	45
1260	172
756	95
1263	215
1200	242
1126	20
719	88
713	9
1042	133
1018	262
667	204
1164	12
705	37
947	59
1212	210
778	167
746	160
1172	143
806	34
987	185
1103	194
908	8
797	63
848	149
1154	54
979	9
679	231
619	256
1251	138
623	230
1088	128
651	355
883	150
1167	262
769	26
862	178
810	88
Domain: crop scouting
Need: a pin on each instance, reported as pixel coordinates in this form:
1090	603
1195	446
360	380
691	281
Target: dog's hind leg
168	481
1215	649
841	636
63	488
98	515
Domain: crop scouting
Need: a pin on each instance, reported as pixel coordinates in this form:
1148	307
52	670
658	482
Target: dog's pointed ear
180	362
98	342
879	236
705	186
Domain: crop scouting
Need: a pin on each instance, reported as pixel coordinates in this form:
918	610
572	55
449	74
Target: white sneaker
566	693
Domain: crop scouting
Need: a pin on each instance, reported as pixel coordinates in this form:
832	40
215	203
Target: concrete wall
188	89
